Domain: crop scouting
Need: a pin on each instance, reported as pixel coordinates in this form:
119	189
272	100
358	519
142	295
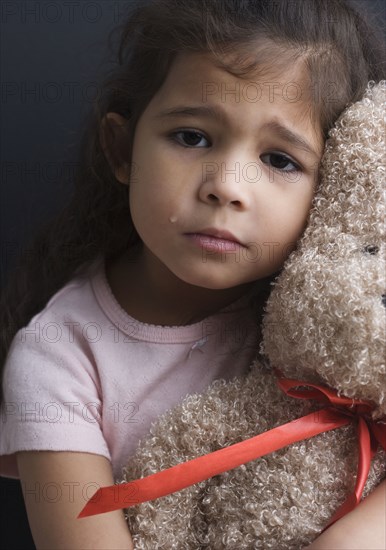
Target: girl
197	175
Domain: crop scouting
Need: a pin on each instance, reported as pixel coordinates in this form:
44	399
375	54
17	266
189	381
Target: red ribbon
340	411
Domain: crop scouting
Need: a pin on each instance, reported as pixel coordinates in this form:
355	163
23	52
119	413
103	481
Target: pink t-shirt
83	375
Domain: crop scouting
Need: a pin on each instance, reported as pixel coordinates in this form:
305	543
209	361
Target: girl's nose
228	183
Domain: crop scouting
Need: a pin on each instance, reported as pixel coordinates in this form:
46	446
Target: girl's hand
362	529
56	486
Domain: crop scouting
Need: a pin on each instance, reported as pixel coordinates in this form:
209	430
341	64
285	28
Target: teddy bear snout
371	249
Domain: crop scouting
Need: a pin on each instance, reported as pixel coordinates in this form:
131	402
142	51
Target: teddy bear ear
325	318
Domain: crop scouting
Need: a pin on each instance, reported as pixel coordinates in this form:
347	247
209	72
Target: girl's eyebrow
218	114
200	110
288	135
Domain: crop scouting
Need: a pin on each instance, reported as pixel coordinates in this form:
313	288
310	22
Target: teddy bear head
325	318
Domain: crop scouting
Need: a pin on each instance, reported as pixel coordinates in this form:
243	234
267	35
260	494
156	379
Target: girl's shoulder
67	311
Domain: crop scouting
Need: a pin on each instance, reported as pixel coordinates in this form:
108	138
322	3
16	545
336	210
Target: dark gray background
52	55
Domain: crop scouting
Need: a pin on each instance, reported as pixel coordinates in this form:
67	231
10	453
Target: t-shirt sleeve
52	398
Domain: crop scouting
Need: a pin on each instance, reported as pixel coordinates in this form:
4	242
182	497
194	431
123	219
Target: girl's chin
215	277
210	282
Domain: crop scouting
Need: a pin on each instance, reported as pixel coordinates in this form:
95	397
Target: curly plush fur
324	323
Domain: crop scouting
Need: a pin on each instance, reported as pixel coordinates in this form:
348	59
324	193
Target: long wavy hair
342	50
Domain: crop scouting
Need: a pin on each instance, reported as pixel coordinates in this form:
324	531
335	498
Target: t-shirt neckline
139	330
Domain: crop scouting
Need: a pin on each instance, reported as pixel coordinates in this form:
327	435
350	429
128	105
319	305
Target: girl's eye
280	162
191	139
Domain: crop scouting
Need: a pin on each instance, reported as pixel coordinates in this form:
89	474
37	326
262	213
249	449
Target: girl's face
241	156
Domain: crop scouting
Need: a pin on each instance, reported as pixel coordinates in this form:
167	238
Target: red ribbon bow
340	411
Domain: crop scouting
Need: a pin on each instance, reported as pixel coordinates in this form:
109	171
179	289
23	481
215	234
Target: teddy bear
323	330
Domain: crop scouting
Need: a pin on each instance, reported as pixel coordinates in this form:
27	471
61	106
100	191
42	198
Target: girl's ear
114	140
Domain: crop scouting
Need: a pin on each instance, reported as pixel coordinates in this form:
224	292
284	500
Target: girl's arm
56	486
362	529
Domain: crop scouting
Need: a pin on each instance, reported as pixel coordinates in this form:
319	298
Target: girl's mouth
213	244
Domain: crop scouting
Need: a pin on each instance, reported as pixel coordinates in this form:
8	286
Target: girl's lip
222	234
213	244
